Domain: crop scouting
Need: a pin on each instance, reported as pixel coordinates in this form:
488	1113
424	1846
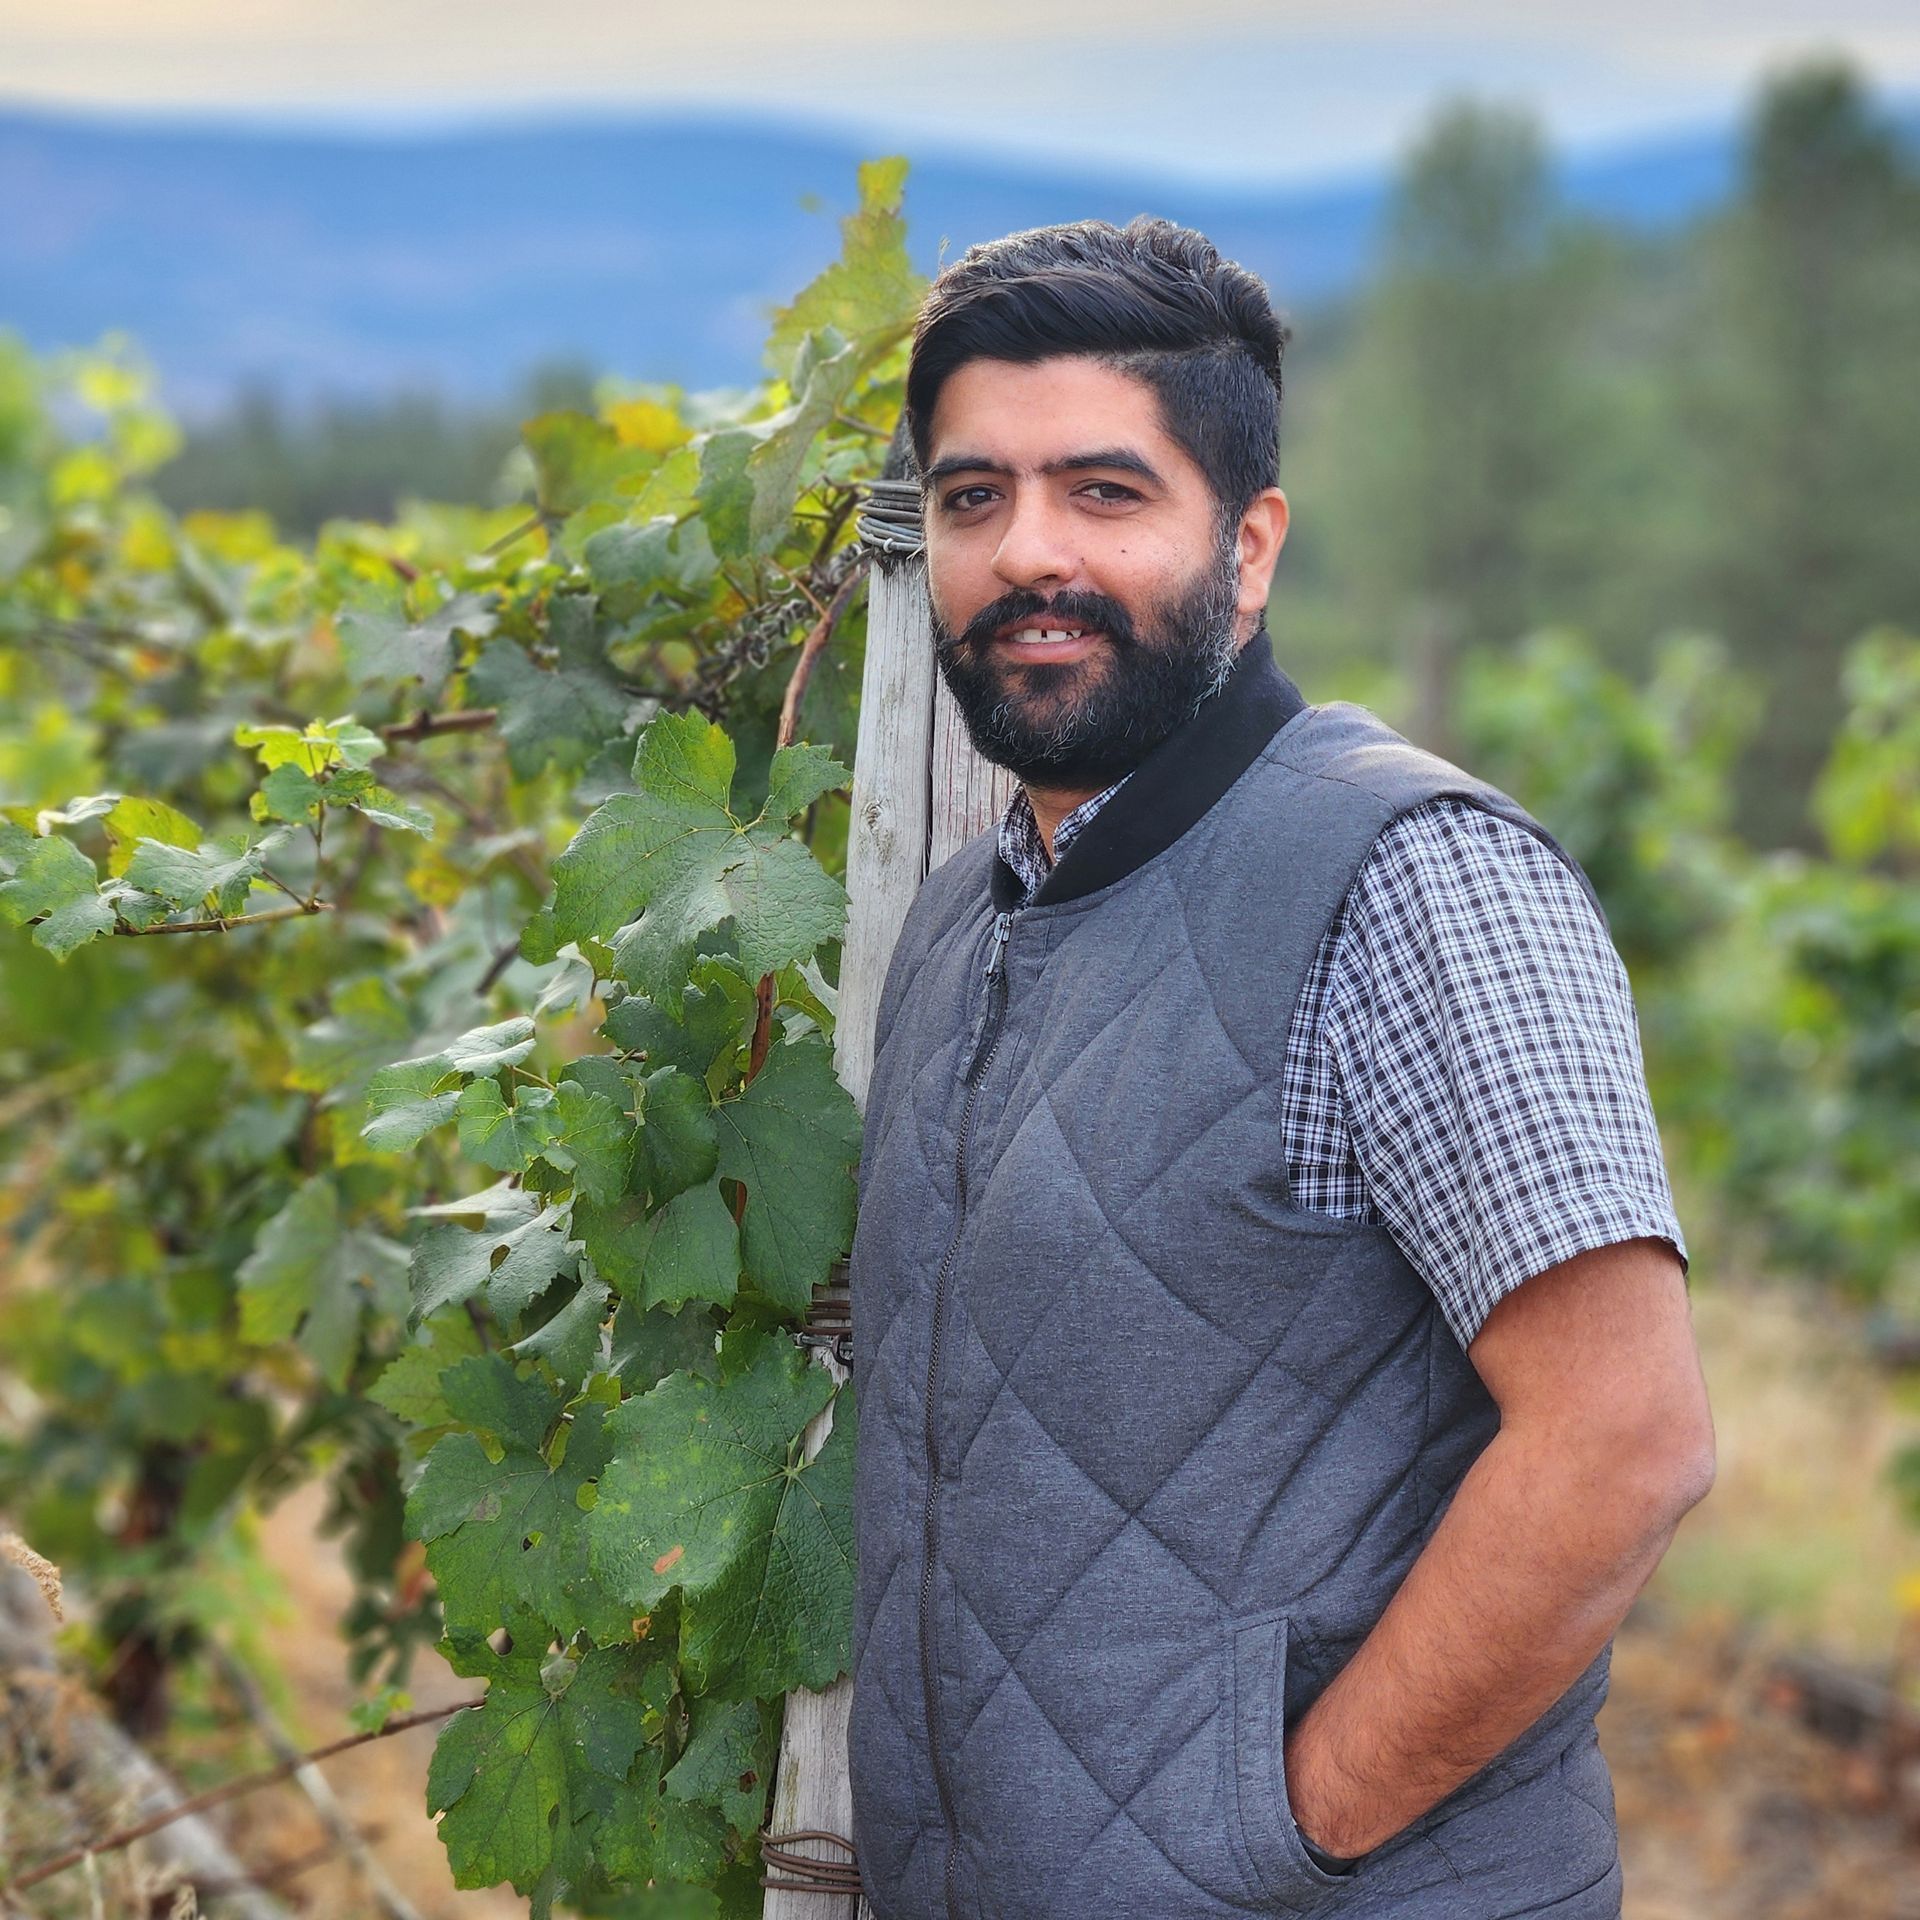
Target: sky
1255	90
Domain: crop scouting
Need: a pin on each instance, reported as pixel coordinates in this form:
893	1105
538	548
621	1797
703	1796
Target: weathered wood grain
887	858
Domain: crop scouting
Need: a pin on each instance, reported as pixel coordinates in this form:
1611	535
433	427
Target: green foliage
549	908
707	1494
1527	418
1777	992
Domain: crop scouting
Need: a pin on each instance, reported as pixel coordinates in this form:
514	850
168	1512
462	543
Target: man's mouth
1042	640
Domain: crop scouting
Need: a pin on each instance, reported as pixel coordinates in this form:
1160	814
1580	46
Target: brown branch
227	925
811	648
313	1783
425	724
762	1025
501	962
515	535
810	651
836	519
231	1790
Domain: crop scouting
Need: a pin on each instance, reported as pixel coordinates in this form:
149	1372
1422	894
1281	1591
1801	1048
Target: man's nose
1037	546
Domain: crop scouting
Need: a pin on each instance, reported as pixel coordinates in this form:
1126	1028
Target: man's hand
1605	1442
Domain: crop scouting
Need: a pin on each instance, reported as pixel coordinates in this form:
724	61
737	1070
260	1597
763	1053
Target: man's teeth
1044	636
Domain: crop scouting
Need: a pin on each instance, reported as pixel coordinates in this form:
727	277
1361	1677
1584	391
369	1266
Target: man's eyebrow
1120	459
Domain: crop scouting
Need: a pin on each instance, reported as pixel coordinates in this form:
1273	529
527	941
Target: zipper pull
983	1021
1002	927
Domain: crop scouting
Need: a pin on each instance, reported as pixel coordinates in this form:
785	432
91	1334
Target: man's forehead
1048	416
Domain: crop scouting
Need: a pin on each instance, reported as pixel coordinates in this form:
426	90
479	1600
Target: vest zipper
993	1015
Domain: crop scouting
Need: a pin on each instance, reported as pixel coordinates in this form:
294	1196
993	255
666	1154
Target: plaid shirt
1463	1066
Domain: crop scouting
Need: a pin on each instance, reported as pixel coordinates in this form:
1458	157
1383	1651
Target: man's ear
1263	532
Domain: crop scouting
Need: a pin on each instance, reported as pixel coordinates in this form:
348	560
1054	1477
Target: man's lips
1030	640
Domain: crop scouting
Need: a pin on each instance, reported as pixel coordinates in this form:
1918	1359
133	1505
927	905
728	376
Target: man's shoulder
1459	856
1422	816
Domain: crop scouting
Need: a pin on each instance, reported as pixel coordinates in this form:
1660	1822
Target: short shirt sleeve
1480	1038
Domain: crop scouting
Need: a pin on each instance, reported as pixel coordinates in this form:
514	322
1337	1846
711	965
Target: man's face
1085	597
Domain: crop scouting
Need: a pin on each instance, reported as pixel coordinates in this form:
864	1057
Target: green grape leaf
83	807
406	1099
314	748
506	1538
382	646
750	475
783	904
648	1345
487	1049
56	885
498	1206
672	854
409	1388
136	908
798	777
579	461
522	1780
133	820
509	1267
288	793
792	1138
726	494
570	1341
360	791
505	1138
872	292
310	1270
806	990
540	943
617	1079
654	1835
678	1146
592	1139
224	868
688	1249
705	1491
728	1759
488	1396
706	1034
553	715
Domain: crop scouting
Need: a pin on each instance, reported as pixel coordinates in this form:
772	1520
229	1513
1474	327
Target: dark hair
1149	299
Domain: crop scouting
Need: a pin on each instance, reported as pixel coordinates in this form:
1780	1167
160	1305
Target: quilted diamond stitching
1121	1809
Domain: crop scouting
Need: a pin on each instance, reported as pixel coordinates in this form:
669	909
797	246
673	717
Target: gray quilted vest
1144	1450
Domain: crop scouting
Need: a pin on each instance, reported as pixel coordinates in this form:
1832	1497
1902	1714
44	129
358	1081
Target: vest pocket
1259	1813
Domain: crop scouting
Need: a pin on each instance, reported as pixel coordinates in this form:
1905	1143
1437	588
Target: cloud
1265	87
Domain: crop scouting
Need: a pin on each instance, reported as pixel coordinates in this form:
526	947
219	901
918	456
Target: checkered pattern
1464	1063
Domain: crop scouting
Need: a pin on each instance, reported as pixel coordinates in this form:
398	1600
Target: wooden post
919	793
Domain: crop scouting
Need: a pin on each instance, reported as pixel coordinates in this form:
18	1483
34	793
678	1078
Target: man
1271	1341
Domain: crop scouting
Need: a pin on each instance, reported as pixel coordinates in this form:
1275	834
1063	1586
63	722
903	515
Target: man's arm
1605	1441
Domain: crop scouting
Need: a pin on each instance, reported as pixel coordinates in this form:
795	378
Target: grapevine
477	1145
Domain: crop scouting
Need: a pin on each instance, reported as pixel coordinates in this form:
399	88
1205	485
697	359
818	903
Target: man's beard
1022	717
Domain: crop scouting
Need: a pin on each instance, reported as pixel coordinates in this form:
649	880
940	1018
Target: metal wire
889	521
816	1875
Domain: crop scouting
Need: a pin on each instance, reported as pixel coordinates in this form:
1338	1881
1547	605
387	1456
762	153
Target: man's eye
1115	492
958	497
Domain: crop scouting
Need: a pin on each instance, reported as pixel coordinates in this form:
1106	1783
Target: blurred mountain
356	265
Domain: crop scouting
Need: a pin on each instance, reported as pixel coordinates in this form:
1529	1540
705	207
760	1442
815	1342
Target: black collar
1178	782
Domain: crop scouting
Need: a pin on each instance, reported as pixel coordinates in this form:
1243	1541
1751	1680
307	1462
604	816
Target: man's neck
1051	805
